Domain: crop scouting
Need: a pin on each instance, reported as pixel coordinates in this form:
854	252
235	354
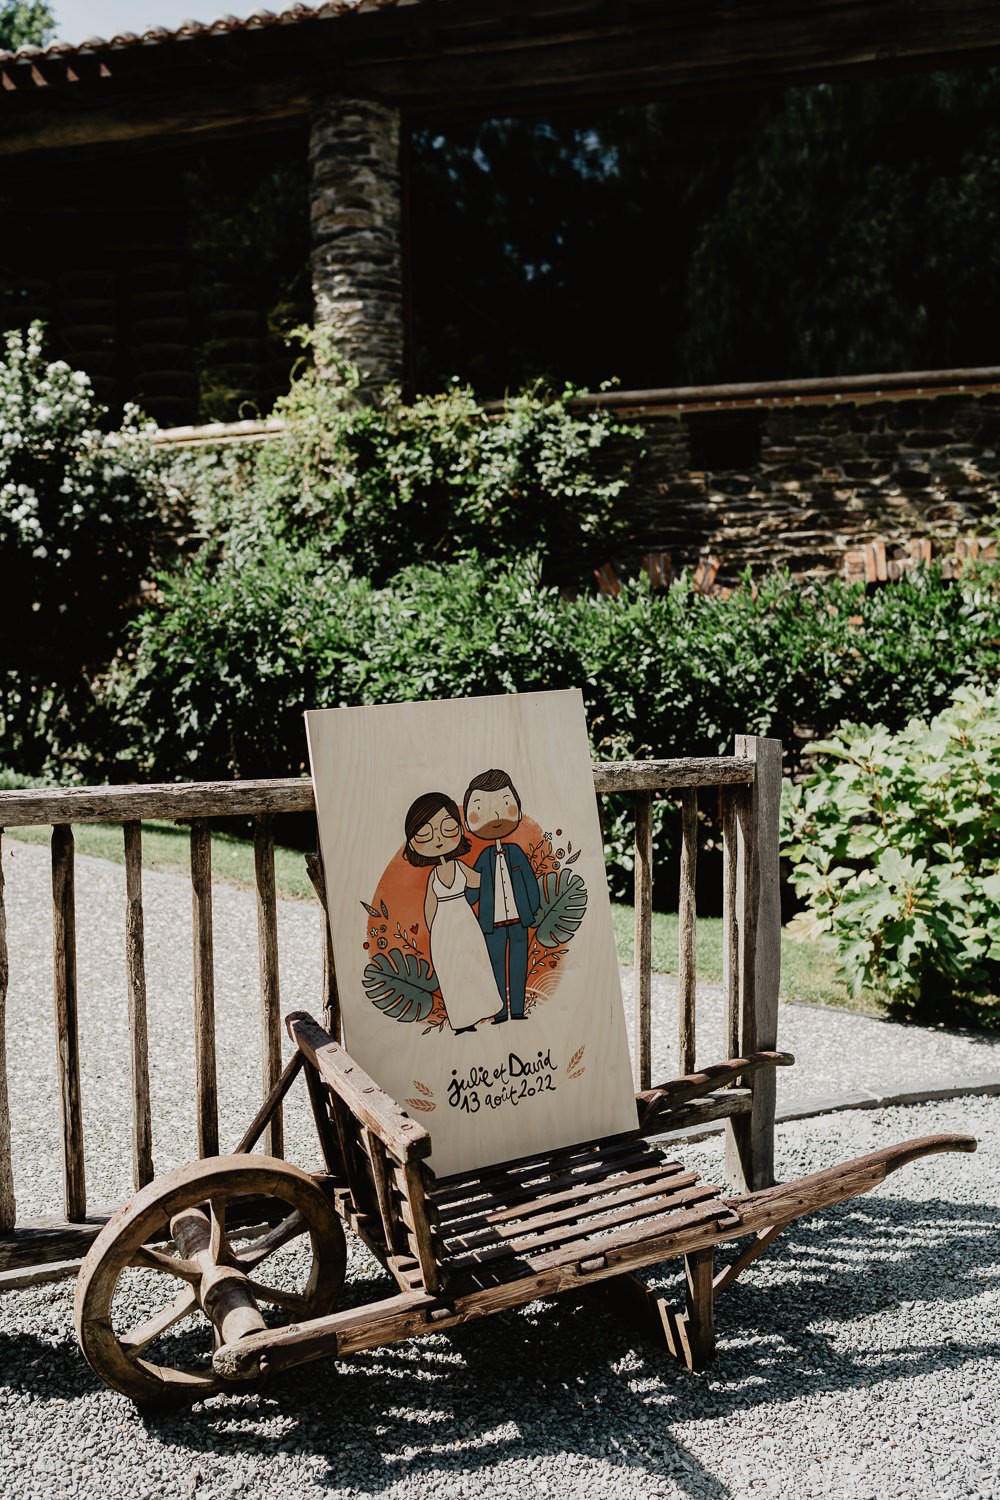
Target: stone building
103	146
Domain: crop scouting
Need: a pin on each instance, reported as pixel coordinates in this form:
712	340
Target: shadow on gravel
575	1380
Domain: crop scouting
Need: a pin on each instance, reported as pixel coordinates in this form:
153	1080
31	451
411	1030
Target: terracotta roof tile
222	25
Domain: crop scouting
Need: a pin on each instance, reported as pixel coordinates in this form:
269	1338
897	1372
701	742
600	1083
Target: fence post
270	991
750	1137
67	1020
206	1081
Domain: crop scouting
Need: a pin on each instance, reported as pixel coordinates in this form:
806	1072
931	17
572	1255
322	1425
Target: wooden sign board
470	920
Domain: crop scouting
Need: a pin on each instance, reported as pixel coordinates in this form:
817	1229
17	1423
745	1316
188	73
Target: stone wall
357	235
806	485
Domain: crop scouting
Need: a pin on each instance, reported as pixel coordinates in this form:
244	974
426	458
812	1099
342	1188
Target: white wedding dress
458	952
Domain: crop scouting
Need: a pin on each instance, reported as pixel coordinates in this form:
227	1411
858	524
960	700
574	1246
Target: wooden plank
721	1105
687	963
239	799
750	1138
656	1230
406	1140
270	993
668	775
730	922
575	1238
656	1105
331	998
620	1150
48	1241
642	957
582	1186
581	1189
791	1200
67	1027
135	967
120	804
575	1214
383	1194
423	1237
258	1124
691	1334
206	1082
8	1206
337	1162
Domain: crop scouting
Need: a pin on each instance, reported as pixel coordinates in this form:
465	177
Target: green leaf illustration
561	909
401	985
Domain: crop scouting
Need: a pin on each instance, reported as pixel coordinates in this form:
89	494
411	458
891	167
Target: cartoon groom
508	893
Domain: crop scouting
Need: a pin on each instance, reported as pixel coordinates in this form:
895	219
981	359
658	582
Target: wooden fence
747	785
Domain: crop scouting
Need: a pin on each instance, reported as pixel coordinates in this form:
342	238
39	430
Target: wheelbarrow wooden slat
530	1218
560	1172
527	1246
588	1184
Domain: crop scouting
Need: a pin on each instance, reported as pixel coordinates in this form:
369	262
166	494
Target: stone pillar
357	216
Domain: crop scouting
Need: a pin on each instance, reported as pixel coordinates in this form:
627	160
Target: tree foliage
823	230
77	510
24	23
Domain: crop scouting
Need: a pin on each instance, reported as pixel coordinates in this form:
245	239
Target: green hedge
219	671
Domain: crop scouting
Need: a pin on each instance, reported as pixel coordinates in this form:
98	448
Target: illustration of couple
476	956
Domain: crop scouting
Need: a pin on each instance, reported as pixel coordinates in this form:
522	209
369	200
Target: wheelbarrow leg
689	1332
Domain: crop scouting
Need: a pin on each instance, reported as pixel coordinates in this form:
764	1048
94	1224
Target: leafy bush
77	510
261	634
382	487
218	672
895	844
221	669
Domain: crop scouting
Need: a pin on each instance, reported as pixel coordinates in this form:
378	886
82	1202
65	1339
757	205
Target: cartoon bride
434	838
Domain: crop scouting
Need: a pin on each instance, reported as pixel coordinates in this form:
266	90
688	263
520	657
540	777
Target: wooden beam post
270	993
206	1080
750	1137
642	959
331	998
135	963
67	1029
687	982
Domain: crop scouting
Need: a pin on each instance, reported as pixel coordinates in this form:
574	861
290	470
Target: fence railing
747	785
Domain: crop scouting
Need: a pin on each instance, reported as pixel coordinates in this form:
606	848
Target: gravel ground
857	1358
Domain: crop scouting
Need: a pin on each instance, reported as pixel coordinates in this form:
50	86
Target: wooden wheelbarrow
254	1248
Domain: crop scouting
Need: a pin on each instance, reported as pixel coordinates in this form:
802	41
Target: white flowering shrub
78	505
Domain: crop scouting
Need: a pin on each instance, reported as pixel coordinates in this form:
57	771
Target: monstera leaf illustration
561	909
401	985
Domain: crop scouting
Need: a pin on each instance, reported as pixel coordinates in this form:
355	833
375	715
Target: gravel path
857	1358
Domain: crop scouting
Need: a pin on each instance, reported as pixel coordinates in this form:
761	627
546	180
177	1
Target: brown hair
420	813
489	781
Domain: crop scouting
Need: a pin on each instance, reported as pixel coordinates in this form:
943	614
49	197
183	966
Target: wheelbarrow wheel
186	1265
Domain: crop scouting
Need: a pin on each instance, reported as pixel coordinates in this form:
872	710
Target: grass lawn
807	973
166	847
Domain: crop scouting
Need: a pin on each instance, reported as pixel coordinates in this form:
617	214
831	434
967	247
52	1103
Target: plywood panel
479	985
